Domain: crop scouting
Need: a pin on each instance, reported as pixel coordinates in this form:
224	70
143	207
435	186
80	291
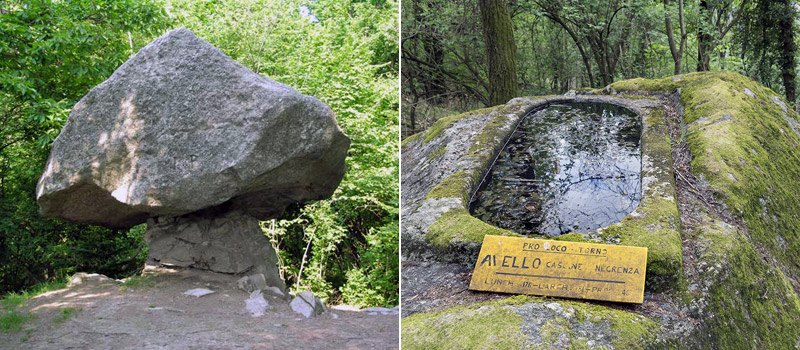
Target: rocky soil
153	313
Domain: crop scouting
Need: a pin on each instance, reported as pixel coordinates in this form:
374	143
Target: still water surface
567	168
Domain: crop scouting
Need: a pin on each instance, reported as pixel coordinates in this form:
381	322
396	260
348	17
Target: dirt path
157	315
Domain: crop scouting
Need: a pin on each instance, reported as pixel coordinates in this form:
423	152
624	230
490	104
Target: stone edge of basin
444	166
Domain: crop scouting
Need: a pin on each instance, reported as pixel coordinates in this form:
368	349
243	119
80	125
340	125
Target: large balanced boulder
181	128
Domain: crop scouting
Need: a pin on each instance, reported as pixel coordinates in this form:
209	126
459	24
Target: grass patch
14	300
12	320
17	299
27	335
64	314
138	281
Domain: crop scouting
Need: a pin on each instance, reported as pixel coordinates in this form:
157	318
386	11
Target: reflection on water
568	168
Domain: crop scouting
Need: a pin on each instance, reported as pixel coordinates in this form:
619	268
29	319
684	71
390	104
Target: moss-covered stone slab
525	322
726	279
450	160
744	148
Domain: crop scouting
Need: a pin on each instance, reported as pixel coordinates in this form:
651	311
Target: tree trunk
788	49
704	38
676	50
434	86
498	33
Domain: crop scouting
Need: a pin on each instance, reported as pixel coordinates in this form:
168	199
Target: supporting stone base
231	243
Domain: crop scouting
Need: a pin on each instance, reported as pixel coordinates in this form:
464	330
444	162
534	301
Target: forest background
344	249
459	55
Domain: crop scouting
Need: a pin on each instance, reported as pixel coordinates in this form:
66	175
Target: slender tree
676	50
501	51
704	38
590	24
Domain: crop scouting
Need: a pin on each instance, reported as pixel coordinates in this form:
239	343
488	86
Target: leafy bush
51	54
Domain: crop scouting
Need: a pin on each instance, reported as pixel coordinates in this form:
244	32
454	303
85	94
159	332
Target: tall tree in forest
788	50
501	51
442	54
767	44
704	38
676	50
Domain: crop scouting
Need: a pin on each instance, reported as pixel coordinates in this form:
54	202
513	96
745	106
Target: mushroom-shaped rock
182	129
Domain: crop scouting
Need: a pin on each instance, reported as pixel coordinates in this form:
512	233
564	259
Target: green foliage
51	54
53	51
370	284
37	250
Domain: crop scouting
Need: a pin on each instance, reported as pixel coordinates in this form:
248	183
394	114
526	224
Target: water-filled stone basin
572	167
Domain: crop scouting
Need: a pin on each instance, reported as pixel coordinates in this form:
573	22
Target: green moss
458	225
457	185
754	306
440	125
632	331
554	329
653	226
410	139
637	97
749	154
746	150
641	85
571	237
495	130
437	153
485	325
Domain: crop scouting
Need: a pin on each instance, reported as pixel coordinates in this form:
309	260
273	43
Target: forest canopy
449	50
343	52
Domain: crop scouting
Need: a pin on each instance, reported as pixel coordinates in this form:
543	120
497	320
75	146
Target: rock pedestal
232	243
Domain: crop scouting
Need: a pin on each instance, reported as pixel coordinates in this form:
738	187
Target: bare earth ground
157	315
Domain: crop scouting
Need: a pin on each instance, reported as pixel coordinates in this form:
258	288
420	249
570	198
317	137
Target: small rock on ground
198	292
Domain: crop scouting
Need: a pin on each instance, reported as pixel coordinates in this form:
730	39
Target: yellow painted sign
556	268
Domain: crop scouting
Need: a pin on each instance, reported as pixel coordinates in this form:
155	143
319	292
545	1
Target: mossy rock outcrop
719	222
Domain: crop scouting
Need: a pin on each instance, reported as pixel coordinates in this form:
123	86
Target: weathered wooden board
555	268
